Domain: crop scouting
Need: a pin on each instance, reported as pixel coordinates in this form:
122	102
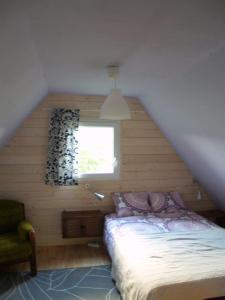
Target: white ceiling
172	56
151	40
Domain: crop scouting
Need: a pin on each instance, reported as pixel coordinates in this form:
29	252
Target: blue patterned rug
93	283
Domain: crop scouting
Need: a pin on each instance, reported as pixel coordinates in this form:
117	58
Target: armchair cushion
24	228
13	248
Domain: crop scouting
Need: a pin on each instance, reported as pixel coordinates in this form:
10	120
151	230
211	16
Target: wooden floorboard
69	256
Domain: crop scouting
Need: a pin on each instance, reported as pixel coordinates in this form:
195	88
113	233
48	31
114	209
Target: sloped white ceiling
172	56
21	78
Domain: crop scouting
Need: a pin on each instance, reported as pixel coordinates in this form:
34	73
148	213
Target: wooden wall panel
148	163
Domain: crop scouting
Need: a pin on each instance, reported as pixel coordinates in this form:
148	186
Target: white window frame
105	176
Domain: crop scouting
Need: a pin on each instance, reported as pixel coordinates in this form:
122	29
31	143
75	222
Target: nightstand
77	224
215	215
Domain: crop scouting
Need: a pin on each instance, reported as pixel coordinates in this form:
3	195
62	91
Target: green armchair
17	236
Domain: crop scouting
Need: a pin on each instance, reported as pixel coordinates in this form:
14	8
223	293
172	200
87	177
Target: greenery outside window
98	144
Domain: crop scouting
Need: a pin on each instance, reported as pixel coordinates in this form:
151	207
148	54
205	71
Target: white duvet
169	266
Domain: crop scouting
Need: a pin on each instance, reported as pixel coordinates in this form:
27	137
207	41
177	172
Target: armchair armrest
26	231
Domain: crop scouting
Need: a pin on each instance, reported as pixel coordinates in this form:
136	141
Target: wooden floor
69	256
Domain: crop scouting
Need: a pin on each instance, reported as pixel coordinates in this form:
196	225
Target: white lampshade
115	107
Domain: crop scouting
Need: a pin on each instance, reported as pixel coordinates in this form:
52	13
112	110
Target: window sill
96	177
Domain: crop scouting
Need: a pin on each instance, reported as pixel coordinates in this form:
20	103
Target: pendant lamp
115	106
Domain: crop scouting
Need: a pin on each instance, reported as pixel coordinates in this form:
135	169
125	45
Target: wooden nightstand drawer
82	223
94	226
72	228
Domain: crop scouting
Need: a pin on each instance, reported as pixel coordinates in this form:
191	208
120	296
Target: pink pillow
170	202
131	204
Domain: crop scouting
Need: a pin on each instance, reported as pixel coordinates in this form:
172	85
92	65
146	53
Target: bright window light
97	150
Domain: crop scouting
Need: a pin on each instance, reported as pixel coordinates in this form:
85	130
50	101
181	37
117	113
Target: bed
175	255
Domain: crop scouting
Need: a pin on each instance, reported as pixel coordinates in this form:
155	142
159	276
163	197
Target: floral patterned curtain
63	147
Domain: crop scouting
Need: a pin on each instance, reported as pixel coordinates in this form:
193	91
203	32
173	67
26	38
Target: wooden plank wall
149	163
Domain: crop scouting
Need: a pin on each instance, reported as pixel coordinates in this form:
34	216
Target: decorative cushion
131	204
170	202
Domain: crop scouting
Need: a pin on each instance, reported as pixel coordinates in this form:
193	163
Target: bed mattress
161	257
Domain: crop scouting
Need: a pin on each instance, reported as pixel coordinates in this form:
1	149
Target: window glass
98	152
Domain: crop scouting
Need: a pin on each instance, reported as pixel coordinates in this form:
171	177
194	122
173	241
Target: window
98	150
